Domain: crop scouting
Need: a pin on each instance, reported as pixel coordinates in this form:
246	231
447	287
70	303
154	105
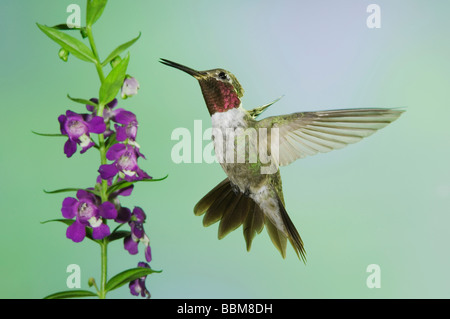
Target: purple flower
136	222
125	163
137	286
108	113
128	130
78	127
88	212
130	87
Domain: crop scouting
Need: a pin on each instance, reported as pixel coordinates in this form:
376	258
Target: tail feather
293	235
254	223
278	238
234	216
235	209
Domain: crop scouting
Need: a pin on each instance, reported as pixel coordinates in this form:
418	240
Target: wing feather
308	133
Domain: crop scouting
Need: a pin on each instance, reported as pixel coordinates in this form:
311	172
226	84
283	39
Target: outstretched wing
309	133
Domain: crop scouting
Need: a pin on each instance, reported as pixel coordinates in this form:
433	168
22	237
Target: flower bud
63	54
91	282
130	87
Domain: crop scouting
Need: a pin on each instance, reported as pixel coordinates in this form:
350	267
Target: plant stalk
103	160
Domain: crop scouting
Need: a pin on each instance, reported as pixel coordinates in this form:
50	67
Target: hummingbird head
221	90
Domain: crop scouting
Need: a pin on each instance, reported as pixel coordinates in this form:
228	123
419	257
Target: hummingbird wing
308	133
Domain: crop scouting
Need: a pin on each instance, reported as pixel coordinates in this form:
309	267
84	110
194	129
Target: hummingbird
249	196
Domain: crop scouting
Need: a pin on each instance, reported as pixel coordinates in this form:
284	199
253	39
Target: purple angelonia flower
78	127
130	87
137	286
88	212
125	164
108	113
136	222
128	130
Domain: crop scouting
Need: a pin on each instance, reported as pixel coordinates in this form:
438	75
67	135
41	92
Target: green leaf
111	141
68	222
127	276
122	184
113	82
62	190
82	101
64	26
119	50
48	135
74	46
71	189
94	10
118	235
71	294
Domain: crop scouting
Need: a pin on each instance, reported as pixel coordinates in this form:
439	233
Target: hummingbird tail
233	209
293	235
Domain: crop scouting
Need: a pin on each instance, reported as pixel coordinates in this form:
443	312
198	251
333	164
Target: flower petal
108	210
142	264
124	117
135	288
124	191
112	104
130	245
70	147
115	151
139	214
76	232
137	229
108	171
69	207
86	196
97	125
148	254
89	107
101	231
123	215
121	133
62	122
74	116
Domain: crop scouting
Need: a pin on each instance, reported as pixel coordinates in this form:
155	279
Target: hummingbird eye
223	76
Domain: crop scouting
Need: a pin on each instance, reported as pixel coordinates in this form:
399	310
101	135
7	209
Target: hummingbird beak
196	74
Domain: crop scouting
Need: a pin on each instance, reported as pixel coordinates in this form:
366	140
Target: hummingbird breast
236	148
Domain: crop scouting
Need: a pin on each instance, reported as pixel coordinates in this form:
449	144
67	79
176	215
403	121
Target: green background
382	201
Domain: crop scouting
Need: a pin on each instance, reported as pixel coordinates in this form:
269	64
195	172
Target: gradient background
382	201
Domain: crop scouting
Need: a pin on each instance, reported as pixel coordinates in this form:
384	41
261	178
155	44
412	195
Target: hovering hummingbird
249	197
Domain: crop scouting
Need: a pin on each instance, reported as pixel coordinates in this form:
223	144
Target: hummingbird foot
235	188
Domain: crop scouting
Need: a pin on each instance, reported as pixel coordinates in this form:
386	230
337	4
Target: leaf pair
78	48
111	189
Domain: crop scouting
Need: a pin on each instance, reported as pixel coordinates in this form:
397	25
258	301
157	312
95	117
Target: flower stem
104	258
103	160
98	65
